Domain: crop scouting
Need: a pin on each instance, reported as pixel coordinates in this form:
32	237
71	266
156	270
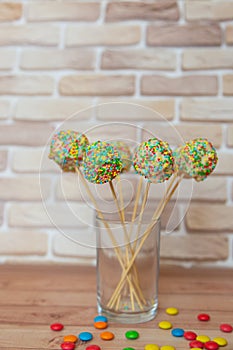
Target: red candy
203	317
225	327
190	335
56	326
196	344
211	345
93	347
67	345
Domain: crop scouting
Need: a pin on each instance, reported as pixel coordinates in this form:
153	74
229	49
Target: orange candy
107	335
100	325
70	338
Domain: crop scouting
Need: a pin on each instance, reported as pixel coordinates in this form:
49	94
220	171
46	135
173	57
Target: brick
61	215
213	189
184	35
208	10
139	59
25	134
26	85
65	247
30	34
10	11
3	159
225	164
33	161
107	34
210	218
178	134
8	58
219	110
229	35
126	10
63	11
53	109
58	59
230	135
194	247
23	188
135	109
23	243
207	59
100	85
228	84
181	86
4	109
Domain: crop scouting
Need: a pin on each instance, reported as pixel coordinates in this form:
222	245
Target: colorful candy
67	149
189	335
177	332
196	159
67	346
165	325
225	327
211	345
56	327
203	338
203	317
220	341
106	335
100	318
85	336
131	334
70	338
125	154
172	311
154	160
100	325
151	347
102	163
196	344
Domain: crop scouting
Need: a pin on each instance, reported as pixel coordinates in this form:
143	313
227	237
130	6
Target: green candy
132	334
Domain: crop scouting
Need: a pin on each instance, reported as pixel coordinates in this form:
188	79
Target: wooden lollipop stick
121	197
136	205
156	216
116	249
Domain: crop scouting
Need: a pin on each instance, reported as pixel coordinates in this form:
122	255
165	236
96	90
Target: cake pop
102	162
196	159
67	149
124	151
154	160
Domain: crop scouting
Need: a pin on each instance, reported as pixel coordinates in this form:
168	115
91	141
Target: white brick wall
56	58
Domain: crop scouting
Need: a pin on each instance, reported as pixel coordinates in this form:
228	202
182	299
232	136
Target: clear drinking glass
127	268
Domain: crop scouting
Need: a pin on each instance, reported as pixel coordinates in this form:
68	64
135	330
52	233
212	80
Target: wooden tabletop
33	297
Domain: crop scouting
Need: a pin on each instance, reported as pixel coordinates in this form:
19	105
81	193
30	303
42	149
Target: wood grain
33	297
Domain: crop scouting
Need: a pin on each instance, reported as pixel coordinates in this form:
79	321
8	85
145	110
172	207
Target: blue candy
177	332
85	336
100	318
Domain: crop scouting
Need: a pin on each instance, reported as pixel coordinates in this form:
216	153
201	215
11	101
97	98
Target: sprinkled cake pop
124	151
196	159
67	149
102	162
154	160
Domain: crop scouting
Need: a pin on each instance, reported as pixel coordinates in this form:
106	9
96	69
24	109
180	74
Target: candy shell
93	347
203	317
220	341
100	318
107	335
225	327
131	334
128	349
189	335
151	347
100	325
203	338
172	311
56	326
211	345
165	325
67	346
167	347
85	336
70	338
177	332
196	344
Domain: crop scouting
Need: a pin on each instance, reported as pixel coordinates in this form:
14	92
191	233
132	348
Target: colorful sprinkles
102	163
124	151
154	160
196	159
67	149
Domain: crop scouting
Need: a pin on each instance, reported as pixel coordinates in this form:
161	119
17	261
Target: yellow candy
220	341
197	349
70	338
151	347
203	338
172	311
165	325
167	347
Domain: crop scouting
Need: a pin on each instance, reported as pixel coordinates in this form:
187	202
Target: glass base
129	317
